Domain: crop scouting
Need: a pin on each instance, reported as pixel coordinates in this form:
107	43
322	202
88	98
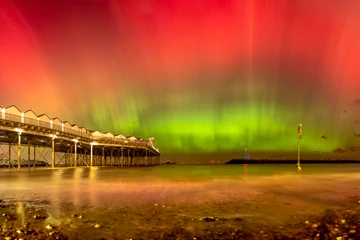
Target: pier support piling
91	155
128	157
53	152
103	157
122	156
9	155
19	151
34	156
146	158
75	154
29	154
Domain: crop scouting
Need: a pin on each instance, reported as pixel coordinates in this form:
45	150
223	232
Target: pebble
237	219
156	204
343	221
209	219
339	238
49	226
37	216
77	216
97	225
307	222
314	225
352	231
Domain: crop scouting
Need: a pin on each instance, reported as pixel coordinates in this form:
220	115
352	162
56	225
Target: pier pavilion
68	144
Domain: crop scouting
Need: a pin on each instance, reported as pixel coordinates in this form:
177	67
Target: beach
182	202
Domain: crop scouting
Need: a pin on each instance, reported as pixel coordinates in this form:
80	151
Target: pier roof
30	114
13	110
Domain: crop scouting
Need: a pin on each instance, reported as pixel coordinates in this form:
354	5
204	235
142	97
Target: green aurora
204	78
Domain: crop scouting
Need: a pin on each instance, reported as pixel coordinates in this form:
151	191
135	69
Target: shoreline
340	223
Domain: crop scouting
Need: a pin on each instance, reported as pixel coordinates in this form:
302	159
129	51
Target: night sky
205	78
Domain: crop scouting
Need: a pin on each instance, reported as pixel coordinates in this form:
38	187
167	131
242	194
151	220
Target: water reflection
20	212
83	186
77	185
94	185
246	182
54	186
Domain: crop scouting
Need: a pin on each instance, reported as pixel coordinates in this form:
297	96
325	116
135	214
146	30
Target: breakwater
290	161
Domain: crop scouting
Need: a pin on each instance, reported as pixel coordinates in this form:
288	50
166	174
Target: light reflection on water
94	186
20	212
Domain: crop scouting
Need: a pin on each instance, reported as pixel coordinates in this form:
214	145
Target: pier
31	139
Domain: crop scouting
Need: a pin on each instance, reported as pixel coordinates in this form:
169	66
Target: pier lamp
299	137
18	130
53	136
75	151
91	152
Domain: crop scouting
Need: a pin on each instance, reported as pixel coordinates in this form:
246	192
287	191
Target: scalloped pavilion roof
64	122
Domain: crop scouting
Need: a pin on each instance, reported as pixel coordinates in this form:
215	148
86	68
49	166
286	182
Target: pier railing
44	124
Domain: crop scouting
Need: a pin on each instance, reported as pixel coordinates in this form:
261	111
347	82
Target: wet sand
180	203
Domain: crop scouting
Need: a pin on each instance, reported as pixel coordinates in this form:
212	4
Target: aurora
201	77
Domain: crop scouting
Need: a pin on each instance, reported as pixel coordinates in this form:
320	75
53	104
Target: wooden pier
33	138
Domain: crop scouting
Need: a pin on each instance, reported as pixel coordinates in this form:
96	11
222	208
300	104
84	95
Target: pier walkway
68	145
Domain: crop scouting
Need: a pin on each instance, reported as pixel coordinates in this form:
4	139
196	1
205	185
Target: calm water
259	193
89	185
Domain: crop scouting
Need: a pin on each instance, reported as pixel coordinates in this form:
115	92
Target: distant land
290	161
